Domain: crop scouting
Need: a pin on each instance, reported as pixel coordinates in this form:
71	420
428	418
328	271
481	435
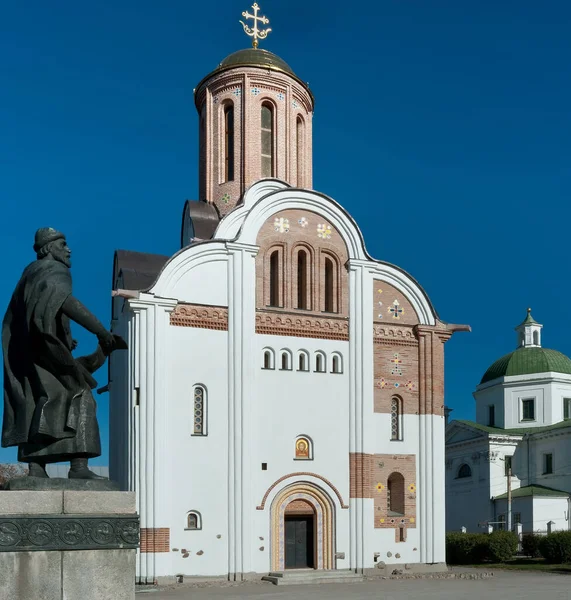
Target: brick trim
155	539
296	325
299	474
201	316
360	475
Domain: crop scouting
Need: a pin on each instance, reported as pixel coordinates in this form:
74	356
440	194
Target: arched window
464	471
275	278
302	276
267	140
303	361
229	142
330	284
193	520
336	363
396	433
199	421
268	362
395	494
299	151
286	360
320	366
303	448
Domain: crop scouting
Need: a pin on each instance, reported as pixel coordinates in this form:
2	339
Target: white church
522	435
281	402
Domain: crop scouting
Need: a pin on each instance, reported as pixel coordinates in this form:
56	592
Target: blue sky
443	127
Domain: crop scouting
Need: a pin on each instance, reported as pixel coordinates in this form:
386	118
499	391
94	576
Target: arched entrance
302	528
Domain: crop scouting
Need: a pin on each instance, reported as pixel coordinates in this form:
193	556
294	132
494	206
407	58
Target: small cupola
529	332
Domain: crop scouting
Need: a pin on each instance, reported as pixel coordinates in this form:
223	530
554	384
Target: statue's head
49	243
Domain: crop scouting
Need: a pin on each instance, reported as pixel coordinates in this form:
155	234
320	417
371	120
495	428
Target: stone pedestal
68	545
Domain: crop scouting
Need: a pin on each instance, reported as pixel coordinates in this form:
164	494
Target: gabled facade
523	407
281	402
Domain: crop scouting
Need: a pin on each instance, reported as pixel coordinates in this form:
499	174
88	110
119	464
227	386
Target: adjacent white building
281	402
523	407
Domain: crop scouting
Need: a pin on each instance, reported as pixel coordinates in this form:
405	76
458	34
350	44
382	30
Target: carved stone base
59	483
57	545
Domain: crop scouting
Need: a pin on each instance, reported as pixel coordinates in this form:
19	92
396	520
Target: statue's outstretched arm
77	312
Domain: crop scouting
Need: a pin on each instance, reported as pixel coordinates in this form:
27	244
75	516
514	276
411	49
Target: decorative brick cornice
300	474
296	325
393	335
200	315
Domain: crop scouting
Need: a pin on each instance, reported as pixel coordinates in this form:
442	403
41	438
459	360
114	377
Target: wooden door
299	542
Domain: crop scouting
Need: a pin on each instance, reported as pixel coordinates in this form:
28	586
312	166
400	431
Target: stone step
311	576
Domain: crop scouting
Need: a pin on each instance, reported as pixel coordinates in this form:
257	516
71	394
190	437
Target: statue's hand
106	341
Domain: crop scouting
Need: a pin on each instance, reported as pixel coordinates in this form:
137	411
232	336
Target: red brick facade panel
391	306
297	235
155	540
360	475
293	324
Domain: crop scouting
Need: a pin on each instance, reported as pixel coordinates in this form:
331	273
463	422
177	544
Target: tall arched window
199	426
395	494
396	418
268	362
275	278
229	142
299	151
286	360
536	338
302	277
328	286
320	362
267	140
303	361
336	363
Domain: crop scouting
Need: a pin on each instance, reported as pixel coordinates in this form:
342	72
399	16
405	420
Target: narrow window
267	140
464	471
492	415
395	419
229	142
285	361
528	409
275	278
199	411
302	364
567	408
536	338
328	285
302	279
336	365
320	363
264	466
395	494
516	518
401	534
299	151
507	465
193	520
501	522
547	464
268	360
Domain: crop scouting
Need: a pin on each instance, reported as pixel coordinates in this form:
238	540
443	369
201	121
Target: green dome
525	361
255	57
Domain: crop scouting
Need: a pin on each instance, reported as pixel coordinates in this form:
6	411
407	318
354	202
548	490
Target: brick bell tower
255	123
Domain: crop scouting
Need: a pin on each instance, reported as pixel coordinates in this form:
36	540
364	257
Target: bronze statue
49	410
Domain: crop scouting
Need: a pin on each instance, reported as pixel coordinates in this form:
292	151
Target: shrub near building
556	547
474	548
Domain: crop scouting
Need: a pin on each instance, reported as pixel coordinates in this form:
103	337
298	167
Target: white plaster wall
197	464
493	395
515	394
468	499
550	509
293	403
560	447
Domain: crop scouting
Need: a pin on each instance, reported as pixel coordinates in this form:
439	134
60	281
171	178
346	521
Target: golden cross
254	32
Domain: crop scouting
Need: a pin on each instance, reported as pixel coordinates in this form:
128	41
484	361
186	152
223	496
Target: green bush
556	547
530	545
466	548
502	545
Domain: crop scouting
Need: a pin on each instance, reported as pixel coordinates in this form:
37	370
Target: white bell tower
529	332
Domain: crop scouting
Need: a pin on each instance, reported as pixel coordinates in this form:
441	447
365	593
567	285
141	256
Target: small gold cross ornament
254	32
